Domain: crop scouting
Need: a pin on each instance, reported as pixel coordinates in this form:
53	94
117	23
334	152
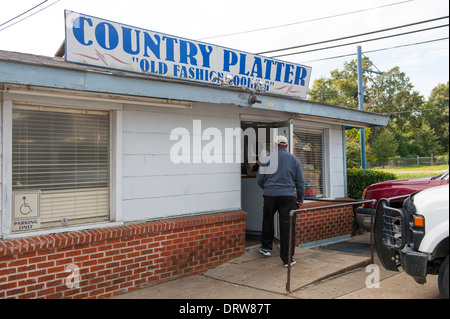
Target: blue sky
257	26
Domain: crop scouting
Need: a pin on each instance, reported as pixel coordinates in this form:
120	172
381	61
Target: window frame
62	99
325	132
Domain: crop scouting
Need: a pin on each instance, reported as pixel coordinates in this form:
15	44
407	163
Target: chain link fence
400	162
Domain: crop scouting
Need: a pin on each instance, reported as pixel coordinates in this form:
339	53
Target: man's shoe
293	262
266	252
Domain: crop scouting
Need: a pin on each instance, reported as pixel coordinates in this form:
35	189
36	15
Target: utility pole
362	132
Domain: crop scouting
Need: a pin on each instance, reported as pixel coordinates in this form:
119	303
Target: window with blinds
308	147
64	153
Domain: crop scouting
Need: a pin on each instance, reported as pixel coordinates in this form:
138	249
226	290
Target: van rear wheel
443	279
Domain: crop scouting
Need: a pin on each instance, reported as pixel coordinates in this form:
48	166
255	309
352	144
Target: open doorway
257	143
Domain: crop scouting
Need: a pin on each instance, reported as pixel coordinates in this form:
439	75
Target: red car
393	189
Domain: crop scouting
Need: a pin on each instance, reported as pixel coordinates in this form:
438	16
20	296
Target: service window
309	149
62	155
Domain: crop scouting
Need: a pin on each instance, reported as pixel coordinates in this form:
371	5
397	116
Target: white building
87	147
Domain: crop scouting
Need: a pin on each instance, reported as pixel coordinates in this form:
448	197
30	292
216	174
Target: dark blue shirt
280	174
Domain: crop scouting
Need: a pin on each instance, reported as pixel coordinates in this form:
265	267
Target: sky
260	26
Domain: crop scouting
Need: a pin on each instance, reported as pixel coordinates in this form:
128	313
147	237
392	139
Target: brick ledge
24	245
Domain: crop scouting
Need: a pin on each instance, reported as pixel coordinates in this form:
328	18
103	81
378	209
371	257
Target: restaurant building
129	158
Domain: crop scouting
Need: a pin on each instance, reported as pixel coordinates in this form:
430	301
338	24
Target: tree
390	93
353	147
385	146
395	95
341	88
426	140
435	115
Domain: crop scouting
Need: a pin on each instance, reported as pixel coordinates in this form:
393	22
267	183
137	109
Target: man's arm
260	178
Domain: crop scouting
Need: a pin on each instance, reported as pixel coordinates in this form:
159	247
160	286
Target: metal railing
304	210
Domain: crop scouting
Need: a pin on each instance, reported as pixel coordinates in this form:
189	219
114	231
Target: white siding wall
337	166
154	186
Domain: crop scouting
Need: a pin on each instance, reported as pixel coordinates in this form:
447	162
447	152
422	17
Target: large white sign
103	43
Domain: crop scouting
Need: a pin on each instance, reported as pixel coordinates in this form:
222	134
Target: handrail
303	210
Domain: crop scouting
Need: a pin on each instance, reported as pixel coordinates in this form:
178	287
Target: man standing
281	177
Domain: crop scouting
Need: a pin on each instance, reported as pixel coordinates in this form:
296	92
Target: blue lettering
154	46
145	66
188	50
106	41
279	69
287	73
162	68
183	72
175	70
300	74
268	68
170	54
127	45
229	58
206	54
78	30
242	61
185	52
191	73
199	74
257	68
213	74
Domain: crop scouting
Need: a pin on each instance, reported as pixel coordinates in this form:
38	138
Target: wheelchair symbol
25	208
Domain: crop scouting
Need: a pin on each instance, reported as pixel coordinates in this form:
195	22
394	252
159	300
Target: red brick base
325	223
116	260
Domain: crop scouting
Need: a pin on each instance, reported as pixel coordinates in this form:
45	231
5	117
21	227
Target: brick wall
111	261
325	223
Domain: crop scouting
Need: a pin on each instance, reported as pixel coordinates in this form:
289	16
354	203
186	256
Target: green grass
415	170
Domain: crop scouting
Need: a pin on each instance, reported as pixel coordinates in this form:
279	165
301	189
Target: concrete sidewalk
253	276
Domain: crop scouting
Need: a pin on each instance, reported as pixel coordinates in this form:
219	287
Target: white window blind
308	147
64	153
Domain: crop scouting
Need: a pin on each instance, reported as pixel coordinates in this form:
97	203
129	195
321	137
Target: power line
407	45
23	13
378	50
368	107
412	111
354	36
29	15
350	93
306	21
362	41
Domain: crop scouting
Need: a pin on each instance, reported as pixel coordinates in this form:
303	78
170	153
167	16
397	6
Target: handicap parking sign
26	210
